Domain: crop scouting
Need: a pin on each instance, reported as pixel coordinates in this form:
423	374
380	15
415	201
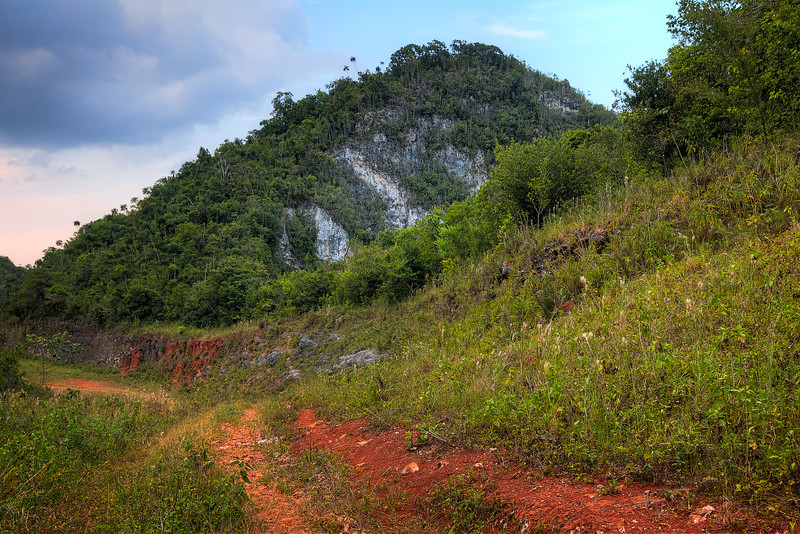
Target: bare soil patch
109	388
89	386
274	512
532	501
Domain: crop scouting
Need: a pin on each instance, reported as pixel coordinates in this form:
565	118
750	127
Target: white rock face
378	162
399	213
332	238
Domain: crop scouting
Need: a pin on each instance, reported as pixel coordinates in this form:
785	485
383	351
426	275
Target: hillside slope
651	335
366	155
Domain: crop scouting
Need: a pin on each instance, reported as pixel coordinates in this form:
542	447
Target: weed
465	504
325	477
611	488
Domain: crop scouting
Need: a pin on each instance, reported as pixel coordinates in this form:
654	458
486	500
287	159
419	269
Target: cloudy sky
100	98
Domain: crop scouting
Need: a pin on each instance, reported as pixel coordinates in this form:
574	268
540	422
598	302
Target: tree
57	347
734	71
10	376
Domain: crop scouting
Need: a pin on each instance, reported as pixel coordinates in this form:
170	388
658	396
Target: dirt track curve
381	460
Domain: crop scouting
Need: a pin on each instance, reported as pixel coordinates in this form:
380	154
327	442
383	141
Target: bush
10	377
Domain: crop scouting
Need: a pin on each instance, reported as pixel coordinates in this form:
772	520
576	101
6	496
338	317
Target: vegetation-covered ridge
617	302
202	245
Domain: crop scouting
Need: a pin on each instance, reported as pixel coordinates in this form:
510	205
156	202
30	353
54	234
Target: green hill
619	301
368	154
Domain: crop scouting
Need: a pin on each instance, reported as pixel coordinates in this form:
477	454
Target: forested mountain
367	154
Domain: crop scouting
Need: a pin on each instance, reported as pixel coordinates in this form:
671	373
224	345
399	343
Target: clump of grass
51	445
465	504
179	491
334	502
70	462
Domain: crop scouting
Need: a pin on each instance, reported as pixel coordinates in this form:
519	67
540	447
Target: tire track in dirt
273	511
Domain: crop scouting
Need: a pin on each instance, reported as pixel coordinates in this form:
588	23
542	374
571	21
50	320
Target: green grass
31	368
71	462
650	333
677	361
464	503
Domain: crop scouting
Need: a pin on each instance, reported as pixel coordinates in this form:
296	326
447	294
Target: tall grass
664	348
99	463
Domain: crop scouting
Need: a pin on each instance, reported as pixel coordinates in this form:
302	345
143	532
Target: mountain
324	173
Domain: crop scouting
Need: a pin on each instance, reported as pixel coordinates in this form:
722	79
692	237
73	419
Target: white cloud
507	31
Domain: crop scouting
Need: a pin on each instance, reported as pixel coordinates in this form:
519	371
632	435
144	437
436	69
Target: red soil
532	500
274	512
89	386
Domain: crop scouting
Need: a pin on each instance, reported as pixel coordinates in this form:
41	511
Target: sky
101	98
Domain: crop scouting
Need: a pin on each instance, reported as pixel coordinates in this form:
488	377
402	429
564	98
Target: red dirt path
534	500
88	386
555	504
275	512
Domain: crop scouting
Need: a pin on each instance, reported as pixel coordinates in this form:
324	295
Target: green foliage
733	72
436	187
11	278
178	493
647	347
10	376
466	504
531	179
202	247
50	446
56	347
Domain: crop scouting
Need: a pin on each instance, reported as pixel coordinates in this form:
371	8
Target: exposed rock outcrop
381	162
332	238
358	359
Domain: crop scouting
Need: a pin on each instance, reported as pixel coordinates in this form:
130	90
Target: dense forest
203	246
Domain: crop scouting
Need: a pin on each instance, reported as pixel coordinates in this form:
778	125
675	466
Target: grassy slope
678	359
651	332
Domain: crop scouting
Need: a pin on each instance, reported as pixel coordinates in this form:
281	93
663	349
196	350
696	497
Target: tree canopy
203	245
735	70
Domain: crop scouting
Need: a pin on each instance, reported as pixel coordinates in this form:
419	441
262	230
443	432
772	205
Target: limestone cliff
381	161
332	239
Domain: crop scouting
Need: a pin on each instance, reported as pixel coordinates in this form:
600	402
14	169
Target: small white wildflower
583	281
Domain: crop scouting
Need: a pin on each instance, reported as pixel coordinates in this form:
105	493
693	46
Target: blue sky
100	98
